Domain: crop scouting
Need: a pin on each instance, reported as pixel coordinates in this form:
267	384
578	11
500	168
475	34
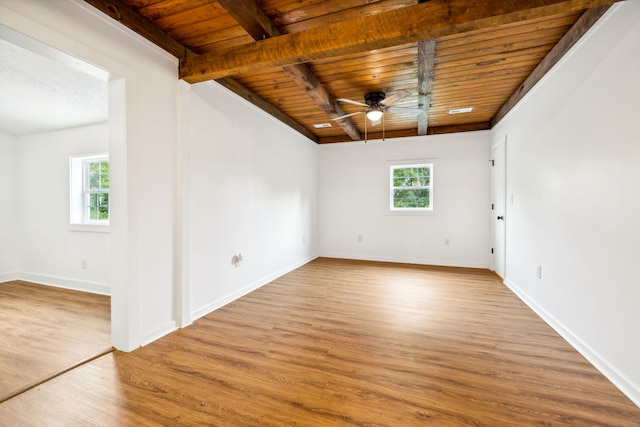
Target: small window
411	187
90	190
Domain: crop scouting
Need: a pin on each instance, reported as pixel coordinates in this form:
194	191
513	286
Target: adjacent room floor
344	343
45	330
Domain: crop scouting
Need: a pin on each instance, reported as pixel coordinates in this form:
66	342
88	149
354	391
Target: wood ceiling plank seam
313	10
486	80
155	10
484	74
470	78
223	45
582	25
188	29
367	67
477	49
210	37
495	59
135	5
409	48
512	48
500	31
366	10
432	19
383	74
478	94
193	15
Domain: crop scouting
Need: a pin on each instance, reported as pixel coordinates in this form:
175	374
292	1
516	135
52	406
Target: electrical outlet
359	237
446	241
84	264
539	271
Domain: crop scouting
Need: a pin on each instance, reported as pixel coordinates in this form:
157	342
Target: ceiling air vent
461	110
322	125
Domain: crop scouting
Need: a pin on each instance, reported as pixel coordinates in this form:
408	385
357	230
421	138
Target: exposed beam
426	63
438	130
123	14
127	17
253	19
303	76
434	130
372	136
261	103
433	19
578	30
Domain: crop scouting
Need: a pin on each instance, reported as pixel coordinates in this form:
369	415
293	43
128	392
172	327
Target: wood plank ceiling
296	58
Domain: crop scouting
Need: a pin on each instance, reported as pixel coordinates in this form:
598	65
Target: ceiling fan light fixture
374	115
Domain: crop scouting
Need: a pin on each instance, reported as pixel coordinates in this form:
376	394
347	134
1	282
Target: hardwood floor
344	343
45	330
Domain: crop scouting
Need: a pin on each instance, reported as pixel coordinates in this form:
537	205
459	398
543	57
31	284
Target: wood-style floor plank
344	343
44	330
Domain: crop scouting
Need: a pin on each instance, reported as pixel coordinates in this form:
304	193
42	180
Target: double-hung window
89	191
411	187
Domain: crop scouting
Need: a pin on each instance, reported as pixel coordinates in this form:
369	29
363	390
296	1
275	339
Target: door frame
499	209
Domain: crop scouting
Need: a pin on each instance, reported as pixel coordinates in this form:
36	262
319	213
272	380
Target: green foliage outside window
99	200
412	187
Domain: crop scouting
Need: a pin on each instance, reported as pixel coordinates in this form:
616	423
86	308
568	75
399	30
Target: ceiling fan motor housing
374	98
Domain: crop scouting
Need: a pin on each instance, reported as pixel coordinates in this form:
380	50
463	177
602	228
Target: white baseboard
624	384
434	262
159	333
8	277
61	282
196	314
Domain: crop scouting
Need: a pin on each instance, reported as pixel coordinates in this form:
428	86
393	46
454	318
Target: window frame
80	191
411	163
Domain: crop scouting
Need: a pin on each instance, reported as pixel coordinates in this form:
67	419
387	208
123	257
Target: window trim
78	181
396	164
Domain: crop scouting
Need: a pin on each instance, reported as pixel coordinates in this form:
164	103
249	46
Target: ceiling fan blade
395	97
405	110
347	115
348	101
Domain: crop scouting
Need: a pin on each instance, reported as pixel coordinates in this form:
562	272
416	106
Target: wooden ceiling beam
129	18
253	19
570	38
123	14
423	21
426	63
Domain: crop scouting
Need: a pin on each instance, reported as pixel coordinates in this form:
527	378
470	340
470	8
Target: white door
498	212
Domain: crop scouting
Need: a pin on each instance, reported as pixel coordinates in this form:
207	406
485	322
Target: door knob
500	217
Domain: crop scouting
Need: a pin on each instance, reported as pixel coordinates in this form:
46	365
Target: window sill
90	228
429	212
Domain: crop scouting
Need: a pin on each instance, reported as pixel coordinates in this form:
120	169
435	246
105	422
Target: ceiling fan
376	105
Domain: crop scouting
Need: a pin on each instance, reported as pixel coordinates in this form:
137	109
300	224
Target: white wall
353	200
573	159
50	253
143	115
252	191
9	213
